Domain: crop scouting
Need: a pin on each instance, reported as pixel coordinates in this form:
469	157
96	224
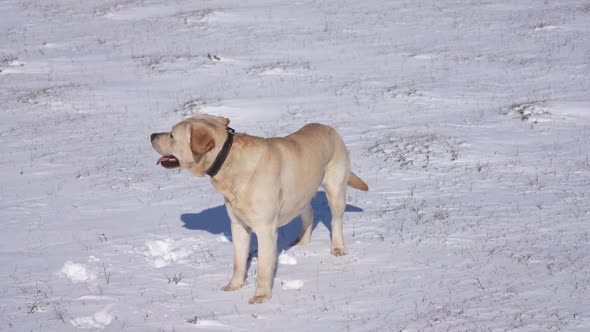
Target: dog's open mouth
168	162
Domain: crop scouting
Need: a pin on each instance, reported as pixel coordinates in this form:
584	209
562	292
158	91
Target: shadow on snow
216	221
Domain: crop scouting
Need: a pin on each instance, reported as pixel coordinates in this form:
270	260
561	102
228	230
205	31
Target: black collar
216	166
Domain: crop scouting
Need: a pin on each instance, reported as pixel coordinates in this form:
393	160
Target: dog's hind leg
337	201
307	223
335	181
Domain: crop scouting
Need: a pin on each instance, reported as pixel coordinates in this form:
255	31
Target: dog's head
189	144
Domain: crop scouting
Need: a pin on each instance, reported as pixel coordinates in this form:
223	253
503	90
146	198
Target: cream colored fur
266	183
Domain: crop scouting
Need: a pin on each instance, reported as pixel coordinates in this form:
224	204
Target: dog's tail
356	182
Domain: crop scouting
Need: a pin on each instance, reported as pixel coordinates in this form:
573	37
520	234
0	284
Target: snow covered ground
469	120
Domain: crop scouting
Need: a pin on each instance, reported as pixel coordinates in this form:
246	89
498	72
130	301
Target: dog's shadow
216	221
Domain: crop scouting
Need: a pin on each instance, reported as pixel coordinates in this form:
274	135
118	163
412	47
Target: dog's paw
259	299
232	287
338	252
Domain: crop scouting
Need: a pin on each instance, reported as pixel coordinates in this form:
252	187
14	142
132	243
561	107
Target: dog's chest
249	213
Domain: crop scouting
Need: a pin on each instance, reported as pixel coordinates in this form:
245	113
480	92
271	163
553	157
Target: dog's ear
201	140
225	121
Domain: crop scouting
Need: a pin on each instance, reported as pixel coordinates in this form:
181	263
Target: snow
286	259
469	120
161	253
292	284
96	321
77	272
212	324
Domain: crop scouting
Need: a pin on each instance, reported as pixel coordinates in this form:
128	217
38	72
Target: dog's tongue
161	160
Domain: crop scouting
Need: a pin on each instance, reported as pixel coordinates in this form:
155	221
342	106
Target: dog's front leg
241	238
267	255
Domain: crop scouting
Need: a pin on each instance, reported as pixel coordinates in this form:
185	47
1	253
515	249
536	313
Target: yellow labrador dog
266	183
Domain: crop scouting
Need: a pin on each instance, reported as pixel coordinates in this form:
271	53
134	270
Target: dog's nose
152	136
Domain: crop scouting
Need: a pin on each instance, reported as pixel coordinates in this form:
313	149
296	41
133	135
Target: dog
266	183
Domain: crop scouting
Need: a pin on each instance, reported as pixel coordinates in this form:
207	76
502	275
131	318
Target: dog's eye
171	136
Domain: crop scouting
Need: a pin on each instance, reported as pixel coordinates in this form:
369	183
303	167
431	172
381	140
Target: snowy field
469	120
